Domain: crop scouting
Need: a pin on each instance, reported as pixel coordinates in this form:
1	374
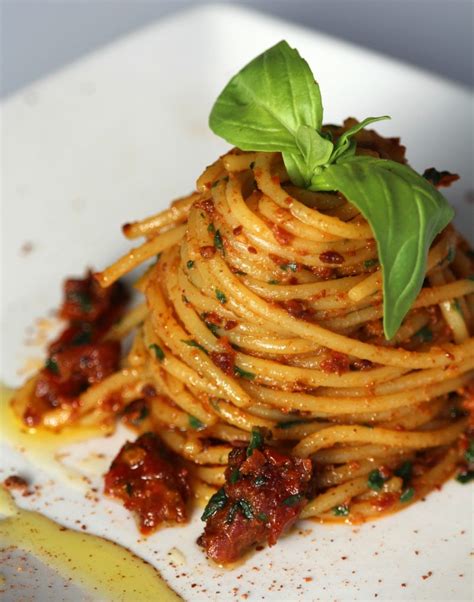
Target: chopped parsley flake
370	263
341	510
83	337
234	476
375	480
451	254
195	423
469	454
216	503
292	500
218	242
213	328
246	508
455	305
256	441
190	264
465	476
221	296
425	334
193	343
260	481
229	519
211	229
404	471
292	267
240	372
52	365
160	354
407	495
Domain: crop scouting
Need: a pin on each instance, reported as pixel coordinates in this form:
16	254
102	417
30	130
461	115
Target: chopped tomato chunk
150	481
79	357
263	496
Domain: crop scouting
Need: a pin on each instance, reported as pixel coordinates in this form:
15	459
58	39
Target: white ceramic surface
117	135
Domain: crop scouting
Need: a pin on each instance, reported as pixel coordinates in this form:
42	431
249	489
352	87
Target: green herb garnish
274	104
52	365
292	267
221	296
241	505
262	517
469	453
234	476
369	263
292	500
159	353
273	282
216	503
407	495
213	328
256	441
229	519
128	489
84	337
375	480
451	254
465	476
425	334
240	372
246	508
190	264
218	242
211	229
342	510
404	471
195	423
260	481
193	343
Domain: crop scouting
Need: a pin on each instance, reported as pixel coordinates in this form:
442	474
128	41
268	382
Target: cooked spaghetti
262	313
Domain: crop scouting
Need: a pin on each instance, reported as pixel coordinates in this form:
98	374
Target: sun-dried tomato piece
150	481
263	496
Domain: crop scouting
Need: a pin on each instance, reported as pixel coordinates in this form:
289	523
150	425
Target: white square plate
115	137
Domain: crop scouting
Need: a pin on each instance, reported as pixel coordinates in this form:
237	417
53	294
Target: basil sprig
274	105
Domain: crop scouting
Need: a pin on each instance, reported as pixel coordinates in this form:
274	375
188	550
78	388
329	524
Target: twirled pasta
265	304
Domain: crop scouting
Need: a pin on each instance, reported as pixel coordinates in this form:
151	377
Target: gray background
40	36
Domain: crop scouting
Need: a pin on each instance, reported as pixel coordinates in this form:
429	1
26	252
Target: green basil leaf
263	105
314	150
345	146
405	213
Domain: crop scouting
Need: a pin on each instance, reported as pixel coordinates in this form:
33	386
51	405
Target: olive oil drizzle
101	567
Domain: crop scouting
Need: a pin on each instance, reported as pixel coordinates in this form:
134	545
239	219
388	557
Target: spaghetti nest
264	310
